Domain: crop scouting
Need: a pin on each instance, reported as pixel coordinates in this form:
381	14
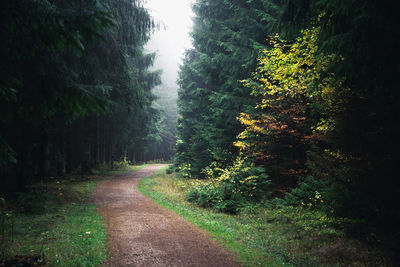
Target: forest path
142	233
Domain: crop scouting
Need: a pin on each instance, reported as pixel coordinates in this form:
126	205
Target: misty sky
171	42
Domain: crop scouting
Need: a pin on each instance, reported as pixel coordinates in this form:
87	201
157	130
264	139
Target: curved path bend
142	233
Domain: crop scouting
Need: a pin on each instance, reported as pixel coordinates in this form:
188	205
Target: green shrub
232	187
185	170
170	170
309	193
192	194
332	198
220	198
122	162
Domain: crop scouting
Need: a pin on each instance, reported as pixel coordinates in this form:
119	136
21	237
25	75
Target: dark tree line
319	112
75	87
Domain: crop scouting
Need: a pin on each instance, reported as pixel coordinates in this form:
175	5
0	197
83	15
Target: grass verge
164	190
262	236
55	224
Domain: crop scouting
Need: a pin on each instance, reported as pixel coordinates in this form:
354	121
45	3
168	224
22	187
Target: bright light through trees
172	38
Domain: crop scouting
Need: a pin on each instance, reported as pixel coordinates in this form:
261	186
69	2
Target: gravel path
141	233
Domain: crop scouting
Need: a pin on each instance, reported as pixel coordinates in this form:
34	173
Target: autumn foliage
292	86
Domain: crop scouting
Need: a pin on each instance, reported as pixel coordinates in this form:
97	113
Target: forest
76	89
293	104
312	107
281	103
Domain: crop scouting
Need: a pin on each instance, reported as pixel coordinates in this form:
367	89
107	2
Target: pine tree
75	85
227	38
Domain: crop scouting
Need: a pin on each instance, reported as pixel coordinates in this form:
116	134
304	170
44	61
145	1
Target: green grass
262	236
164	190
56	220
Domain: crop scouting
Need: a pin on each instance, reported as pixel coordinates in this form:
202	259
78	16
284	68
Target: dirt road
141	233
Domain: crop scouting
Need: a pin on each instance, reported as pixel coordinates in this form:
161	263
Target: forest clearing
277	119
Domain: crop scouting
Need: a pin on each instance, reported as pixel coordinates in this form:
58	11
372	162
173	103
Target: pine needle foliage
75	86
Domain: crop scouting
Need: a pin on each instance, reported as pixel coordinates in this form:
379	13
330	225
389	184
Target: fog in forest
171	38
279	138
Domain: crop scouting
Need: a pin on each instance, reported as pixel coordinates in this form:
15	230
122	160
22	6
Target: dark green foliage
75	87
360	32
192	147
220	198
232	187
334	123
309	193
227	38
334	199
164	136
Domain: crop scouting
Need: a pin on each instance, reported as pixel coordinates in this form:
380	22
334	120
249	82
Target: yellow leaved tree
297	101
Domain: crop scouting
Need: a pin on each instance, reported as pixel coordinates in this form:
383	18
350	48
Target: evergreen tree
75	86
227	38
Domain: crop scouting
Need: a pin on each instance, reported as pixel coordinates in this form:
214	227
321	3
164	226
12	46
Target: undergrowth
267	234
55	222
